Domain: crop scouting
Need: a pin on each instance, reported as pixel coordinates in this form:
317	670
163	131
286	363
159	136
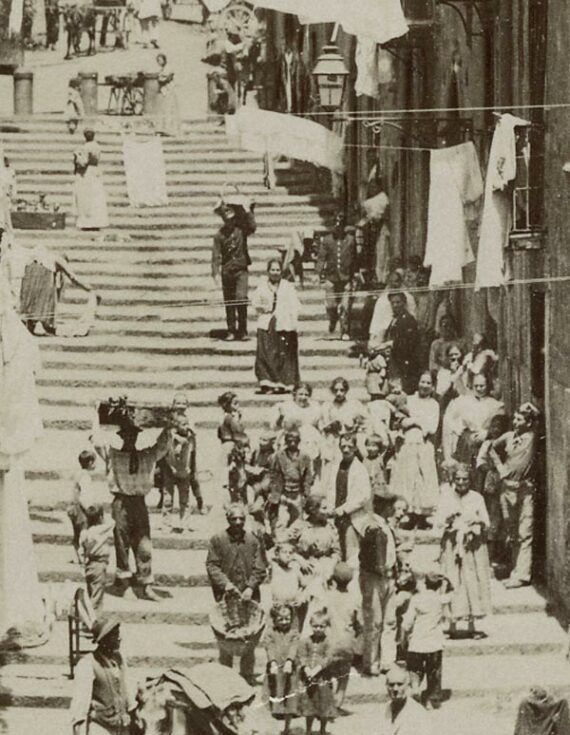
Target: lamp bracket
464	14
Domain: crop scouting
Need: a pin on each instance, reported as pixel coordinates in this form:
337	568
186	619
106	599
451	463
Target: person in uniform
230	258
336	266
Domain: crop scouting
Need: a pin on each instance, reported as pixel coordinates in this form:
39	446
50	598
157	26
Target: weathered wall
557	201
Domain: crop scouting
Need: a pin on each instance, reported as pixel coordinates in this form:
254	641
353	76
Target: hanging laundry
496	220
145	172
366	58
380	20
252	129
375	207
456	185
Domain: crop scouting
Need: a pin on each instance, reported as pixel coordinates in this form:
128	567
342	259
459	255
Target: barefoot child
345	627
94	551
281	678
424	625
316	699
82	496
287	582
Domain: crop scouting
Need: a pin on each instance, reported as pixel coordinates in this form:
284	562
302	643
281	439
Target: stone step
187	375
477	715
173	245
119	208
467	676
180	198
194	276
155	363
174	346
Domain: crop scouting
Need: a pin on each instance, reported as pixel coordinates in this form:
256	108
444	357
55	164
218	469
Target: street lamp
330	74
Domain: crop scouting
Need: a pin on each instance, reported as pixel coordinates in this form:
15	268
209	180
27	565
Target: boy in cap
102	703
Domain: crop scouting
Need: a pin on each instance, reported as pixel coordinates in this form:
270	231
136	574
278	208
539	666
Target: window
527	202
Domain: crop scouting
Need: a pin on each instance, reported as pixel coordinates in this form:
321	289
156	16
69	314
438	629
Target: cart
208	699
126	94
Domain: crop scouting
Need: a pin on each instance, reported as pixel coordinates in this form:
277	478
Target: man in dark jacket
377	584
230	258
336	266
236	569
404	335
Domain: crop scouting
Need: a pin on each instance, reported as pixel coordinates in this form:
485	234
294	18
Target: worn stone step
175	346
466	676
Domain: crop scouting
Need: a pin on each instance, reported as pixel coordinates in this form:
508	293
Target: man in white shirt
403	715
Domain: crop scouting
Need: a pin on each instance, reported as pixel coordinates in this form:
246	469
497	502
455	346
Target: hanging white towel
497	209
368	77
279	134
375	207
380	20
145	172
455	185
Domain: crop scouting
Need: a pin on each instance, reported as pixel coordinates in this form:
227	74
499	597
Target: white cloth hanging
375	207
368	76
279	134
456	185
380	20
497	209
16	17
145	172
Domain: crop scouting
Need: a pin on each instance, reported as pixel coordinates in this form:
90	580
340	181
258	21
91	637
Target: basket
237	625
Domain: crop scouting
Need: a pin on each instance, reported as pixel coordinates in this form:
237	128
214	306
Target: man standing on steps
131	473
236	570
336	266
230	258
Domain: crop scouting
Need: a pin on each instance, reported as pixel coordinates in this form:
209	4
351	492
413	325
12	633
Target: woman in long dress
463	521
41	287
277	357
90	198
467	421
414	473
168	118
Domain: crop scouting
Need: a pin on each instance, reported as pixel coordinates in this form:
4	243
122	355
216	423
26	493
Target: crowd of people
325	506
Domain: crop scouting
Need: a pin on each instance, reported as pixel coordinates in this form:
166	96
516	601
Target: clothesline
367	115
381	147
367	292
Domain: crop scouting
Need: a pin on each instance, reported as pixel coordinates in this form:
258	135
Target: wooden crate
38	220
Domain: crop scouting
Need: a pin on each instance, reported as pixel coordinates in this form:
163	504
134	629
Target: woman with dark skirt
277	307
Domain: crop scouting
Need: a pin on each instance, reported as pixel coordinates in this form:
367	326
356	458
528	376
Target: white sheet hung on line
381	20
496	220
279	134
368	76
455	186
145	172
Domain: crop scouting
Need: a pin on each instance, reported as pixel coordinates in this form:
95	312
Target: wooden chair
80	620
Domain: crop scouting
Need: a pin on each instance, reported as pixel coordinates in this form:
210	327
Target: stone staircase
151	339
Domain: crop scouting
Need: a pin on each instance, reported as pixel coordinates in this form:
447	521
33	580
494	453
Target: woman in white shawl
277	306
